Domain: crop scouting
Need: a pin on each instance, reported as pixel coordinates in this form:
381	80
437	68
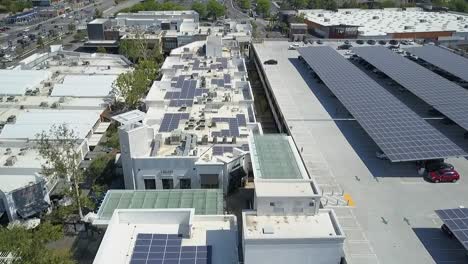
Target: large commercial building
46	90
196	128
164	20
388	23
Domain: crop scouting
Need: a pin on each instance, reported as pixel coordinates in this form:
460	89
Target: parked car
371	42
393	42
345	47
382	42
270	62
439	164
293	46
380	155
347	42
319	41
443	175
360	41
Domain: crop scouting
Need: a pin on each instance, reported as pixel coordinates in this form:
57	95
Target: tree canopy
29	246
200	8
263	7
244	4
215	9
151	5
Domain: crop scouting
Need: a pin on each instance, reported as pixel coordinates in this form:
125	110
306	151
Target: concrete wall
287	205
305	251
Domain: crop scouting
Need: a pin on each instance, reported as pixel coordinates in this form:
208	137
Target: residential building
195	131
46	90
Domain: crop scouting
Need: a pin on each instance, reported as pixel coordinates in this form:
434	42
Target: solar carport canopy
445	96
443	59
398	131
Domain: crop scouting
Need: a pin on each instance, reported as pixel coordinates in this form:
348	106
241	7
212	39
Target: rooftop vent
375	17
460	18
409	27
422	20
326	20
348	12
320	15
268	230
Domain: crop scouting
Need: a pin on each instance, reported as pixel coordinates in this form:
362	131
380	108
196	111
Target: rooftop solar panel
397	130
168	249
457	221
443	59
445	96
170	121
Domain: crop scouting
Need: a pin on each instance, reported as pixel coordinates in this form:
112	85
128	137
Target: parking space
393	219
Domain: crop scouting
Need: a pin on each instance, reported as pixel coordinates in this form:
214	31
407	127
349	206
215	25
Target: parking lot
393	219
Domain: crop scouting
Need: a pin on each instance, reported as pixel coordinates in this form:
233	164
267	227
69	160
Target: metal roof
395	128
440	93
204	201
444	59
273	158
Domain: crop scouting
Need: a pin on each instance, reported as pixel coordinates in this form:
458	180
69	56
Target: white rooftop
292	188
130	117
10	183
16	82
318	226
379	22
219	232
85	86
32	122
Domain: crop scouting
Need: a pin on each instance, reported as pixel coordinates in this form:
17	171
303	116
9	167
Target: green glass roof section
205	201
274	158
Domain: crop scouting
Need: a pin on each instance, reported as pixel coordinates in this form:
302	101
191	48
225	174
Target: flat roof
119	245
284	189
85	86
443	58
445	96
130	117
34	121
12	182
204	201
16	82
380	22
321	225
274	158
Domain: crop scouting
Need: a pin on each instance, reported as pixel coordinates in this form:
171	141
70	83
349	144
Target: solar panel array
220	150
457	221
234	124
442	94
188	90
167	249
443	59
246	94
170	122
397	130
182	102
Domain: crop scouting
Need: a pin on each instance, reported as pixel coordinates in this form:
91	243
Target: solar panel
442	94
168	249
397	130
220	150
457	221
443	59
227	78
170	122
241	120
179	103
233	130
246	94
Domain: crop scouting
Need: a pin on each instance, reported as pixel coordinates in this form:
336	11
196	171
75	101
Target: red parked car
443	175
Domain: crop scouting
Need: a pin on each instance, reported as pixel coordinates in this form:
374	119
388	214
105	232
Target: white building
164	20
69	88
388	23
195	132
286	225
168	236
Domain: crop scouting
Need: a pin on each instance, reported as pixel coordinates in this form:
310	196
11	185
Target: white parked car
294	46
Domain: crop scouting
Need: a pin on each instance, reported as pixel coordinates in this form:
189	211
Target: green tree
299	4
200	8
350	4
215	9
29	246
263	7
244	4
317	4
60	148
132	86
97	13
458	5
331	5
101	50
40	42
387	4
71	27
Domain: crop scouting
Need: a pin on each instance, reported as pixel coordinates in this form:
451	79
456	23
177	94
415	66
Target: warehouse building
388	23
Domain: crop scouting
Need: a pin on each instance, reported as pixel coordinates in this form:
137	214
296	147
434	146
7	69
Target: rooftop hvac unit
422	20
459	18
326	20
320	15
375	17
409	27
11	161
348	12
